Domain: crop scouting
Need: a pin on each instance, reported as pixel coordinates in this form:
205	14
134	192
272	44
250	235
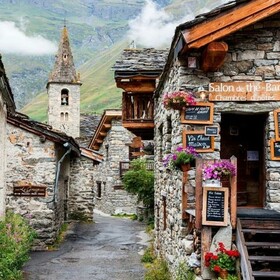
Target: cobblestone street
110	248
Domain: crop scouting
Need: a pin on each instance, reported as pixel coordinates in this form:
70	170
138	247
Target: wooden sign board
211	130
215	206
275	149
276	114
244	91
201	113
31	191
198	140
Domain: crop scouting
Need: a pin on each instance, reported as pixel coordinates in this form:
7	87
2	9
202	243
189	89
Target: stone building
126	134
112	140
7	106
229	60
49	175
64	91
38	184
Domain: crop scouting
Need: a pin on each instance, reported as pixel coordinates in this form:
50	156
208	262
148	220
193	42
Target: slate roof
147	61
43	130
5	88
64	69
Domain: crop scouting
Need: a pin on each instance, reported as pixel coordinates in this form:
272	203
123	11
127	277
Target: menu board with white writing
201	113
215	206
275	149
199	141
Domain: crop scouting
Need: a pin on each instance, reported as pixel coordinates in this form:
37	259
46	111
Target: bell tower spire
63	89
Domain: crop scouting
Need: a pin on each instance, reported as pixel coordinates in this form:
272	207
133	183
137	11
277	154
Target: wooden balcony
138	114
126	165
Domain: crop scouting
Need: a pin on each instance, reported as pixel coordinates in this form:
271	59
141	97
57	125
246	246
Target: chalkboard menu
199	141
211	130
201	113
277	123
215	206
275	149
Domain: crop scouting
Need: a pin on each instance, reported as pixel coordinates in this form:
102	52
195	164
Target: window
99	190
62	116
65	97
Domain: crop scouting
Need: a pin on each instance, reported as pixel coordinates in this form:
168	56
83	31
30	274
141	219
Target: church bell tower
63	90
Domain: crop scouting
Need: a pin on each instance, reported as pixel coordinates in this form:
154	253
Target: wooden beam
137	86
107	125
140	125
103	134
204	33
214	56
233	195
198	193
206	240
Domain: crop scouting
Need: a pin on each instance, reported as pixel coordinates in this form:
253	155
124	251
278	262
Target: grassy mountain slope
98	91
96	30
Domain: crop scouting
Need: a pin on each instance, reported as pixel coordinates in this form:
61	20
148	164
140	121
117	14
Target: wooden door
243	137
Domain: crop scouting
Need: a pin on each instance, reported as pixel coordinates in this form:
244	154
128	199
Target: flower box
178	100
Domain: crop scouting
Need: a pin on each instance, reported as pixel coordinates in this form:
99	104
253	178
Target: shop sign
31	191
244	91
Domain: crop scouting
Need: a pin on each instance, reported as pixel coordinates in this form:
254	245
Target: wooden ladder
259	244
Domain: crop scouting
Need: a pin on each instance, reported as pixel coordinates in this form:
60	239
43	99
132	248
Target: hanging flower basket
178	100
181	158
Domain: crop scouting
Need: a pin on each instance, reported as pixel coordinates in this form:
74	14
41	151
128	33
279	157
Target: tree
140	181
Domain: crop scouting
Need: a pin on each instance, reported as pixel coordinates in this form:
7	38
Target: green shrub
158	270
184	272
16	238
149	255
140	181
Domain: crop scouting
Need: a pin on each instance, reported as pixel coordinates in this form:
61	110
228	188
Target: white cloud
14	40
153	27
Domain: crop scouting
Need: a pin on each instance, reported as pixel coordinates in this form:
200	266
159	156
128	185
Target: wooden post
233	194
206	239
198	193
184	195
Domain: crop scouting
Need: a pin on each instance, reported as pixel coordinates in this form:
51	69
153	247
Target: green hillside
97	34
98	91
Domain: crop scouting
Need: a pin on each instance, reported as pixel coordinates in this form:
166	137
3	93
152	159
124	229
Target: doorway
243	136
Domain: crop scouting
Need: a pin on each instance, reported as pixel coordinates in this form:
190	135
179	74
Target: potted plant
215	171
223	261
181	158
178	100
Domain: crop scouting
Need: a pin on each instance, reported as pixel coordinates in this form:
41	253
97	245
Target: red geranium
224	259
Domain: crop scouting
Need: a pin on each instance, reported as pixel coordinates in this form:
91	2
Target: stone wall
3	121
34	162
81	194
254	55
113	198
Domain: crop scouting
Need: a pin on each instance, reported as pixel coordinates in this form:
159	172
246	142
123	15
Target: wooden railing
126	165
138	107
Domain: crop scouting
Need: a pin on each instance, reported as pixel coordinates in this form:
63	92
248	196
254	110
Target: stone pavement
110	248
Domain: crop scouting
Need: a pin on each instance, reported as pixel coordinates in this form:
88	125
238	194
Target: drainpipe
57	172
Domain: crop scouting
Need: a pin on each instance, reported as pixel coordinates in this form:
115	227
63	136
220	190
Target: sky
153	27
